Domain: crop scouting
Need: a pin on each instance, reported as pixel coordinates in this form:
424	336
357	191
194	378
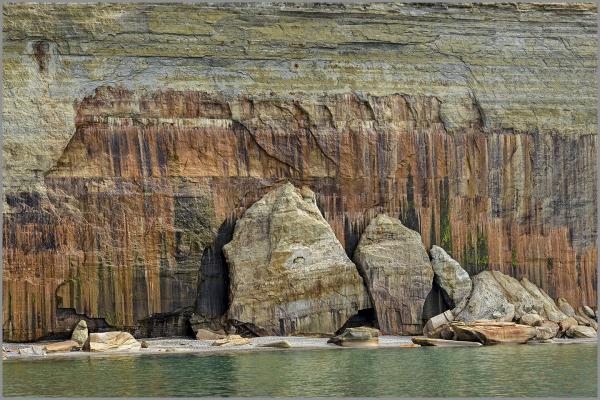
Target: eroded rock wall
133	141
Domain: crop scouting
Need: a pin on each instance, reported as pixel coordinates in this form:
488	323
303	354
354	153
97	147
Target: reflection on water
543	370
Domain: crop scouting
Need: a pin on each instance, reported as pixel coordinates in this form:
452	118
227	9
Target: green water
542	370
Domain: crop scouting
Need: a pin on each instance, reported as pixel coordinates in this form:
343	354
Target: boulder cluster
82	340
498	308
289	275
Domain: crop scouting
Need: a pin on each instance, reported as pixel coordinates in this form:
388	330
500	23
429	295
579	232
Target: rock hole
281	326
213	276
299	261
364	317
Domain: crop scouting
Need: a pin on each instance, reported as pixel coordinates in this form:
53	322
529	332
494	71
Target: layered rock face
135	136
289	273
397	272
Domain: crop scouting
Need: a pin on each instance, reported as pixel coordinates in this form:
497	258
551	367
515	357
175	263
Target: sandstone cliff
135	136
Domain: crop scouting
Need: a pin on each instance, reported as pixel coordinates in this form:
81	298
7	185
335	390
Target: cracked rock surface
135	135
289	274
397	272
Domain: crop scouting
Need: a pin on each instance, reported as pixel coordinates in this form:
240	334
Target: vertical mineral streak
135	135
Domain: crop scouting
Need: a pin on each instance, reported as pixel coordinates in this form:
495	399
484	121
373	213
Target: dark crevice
212	299
435	303
365	317
176	323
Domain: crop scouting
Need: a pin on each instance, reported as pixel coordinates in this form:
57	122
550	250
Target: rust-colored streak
147	180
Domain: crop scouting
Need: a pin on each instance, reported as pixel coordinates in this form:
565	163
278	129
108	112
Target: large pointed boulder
288	272
451	277
398	274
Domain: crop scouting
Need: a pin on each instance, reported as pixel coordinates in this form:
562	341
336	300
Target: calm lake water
541	370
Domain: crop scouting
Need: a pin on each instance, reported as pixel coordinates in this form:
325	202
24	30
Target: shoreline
184	345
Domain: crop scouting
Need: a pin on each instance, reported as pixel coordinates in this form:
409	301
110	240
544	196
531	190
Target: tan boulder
546	330
231	340
565	307
80	333
567	323
583	319
579	331
542	300
397	272
488	300
551	324
113	341
589	312
281	344
65	346
500	297
357	337
289	274
423	341
205	334
438	325
590	321
531	319
494	333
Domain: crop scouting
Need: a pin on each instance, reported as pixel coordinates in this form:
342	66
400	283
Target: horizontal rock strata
135	136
